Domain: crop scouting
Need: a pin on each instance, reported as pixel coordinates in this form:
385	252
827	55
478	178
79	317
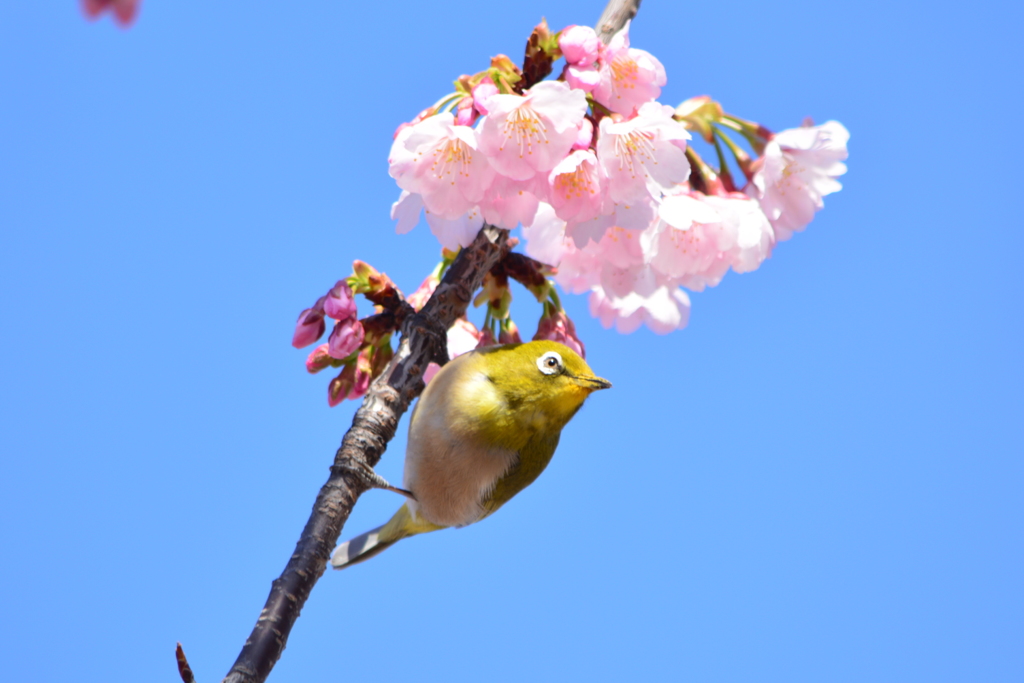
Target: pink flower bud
465	114
345	339
486	338
585	136
558	327
579	45
509	334
310	326
340	304
482	94
318	359
351	383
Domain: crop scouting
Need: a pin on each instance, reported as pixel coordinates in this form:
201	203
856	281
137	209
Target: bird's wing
532	460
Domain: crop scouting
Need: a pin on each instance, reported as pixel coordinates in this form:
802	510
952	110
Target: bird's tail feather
364	546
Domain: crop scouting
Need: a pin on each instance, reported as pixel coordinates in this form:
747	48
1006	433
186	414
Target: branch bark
374	425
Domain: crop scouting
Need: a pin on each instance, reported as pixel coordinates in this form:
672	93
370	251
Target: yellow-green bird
485	427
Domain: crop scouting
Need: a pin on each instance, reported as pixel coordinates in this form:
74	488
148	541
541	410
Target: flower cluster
598	173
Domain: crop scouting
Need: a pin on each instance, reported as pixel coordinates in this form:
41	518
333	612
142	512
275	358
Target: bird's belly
452	478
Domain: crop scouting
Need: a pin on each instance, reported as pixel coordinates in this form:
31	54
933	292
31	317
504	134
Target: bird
484	429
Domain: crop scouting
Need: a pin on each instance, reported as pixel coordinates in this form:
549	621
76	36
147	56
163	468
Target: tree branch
374	425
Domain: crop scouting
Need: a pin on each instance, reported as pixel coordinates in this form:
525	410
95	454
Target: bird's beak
594	383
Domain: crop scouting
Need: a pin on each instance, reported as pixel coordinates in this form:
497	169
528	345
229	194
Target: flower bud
318	359
340	304
579	45
486	338
509	333
310	325
556	326
345	339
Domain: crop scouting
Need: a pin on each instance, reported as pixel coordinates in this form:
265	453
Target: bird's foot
374	480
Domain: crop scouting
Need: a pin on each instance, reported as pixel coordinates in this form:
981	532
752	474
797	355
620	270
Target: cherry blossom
576	192
318	359
644	155
800	166
438	160
511	202
529	134
628	77
124	11
664	310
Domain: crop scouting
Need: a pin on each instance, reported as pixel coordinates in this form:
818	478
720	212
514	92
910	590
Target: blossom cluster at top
598	173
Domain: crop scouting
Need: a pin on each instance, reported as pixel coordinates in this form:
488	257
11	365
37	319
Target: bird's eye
550	363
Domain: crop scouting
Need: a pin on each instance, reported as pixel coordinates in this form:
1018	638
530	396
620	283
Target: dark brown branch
374	425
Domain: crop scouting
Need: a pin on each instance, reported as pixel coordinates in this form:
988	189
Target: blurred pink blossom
426	289
664	310
124	11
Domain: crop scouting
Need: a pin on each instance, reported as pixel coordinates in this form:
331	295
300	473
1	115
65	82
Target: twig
616	14
374	425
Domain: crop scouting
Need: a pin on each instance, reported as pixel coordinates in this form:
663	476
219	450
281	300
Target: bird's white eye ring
550	363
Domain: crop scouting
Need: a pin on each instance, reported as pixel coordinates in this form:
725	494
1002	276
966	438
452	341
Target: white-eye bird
485	427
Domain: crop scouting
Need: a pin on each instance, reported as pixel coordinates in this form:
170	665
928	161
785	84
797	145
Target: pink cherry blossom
419	298
456	232
557	326
644	155
800	166
465	112
406	210
463	337
628	77
124	10
576	187
340	304
451	233
428	374
691	242
345	339
664	310
310	325
511	202
749	230
529	134
545	236
438	160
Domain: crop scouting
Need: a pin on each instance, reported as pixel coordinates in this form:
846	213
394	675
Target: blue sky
820	479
